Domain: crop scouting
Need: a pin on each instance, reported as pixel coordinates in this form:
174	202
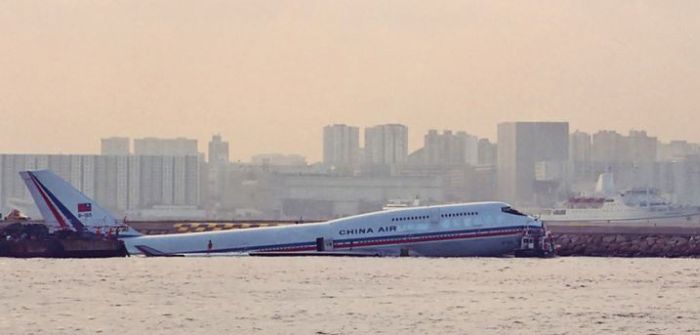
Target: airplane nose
536	222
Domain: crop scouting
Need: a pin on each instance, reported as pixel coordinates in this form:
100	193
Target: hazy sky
268	75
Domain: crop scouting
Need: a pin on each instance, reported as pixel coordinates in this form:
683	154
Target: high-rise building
450	148
115	146
581	169
675	150
631	158
218	150
641	148
217	172
487	152
580	147
341	146
686	180
525	148
386	144
151	146
608	146
120	183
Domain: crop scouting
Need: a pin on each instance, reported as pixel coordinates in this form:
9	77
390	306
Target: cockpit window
511	210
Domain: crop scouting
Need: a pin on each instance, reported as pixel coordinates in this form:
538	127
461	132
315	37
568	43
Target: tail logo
84	210
85	207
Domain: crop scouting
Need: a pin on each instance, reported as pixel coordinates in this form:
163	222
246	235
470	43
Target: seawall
624	240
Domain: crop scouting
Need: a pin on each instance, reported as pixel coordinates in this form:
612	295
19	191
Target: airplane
453	230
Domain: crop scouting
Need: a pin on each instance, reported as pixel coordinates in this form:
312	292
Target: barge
21	240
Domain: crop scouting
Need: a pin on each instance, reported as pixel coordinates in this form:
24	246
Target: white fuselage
446	230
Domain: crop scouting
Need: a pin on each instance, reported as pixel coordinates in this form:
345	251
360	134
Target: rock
678	240
650	240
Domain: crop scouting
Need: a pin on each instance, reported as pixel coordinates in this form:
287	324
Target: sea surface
313	295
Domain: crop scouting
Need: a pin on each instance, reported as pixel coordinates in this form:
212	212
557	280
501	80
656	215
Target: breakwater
603	239
620	240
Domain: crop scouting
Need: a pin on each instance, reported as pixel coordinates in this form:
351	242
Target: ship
635	206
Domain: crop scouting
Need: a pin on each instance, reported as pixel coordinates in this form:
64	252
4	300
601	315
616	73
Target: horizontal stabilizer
314	253
151	252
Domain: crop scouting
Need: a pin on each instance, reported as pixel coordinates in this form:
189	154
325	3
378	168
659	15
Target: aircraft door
434	216
324	244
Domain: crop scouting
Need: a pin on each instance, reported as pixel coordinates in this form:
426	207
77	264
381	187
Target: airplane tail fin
64	207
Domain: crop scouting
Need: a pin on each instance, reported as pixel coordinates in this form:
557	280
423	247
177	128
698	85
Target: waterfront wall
626	241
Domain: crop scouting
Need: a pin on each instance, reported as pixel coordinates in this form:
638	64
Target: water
244	295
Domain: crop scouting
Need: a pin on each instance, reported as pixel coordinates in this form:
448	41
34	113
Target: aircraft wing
152	252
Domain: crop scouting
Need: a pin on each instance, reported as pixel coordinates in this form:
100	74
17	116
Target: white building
120	183
218	150
450	148
341	147
386	144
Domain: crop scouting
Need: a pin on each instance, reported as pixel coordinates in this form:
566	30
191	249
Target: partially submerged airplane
457	230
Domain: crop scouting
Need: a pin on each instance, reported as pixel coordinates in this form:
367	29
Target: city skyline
269	76
317	157
533	164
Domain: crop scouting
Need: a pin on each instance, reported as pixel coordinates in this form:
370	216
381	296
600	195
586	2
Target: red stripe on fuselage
379	241
53	209
420	239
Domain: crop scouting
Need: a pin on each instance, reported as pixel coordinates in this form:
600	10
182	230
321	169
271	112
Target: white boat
641	205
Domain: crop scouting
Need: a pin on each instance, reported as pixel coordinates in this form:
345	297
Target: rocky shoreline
626	241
